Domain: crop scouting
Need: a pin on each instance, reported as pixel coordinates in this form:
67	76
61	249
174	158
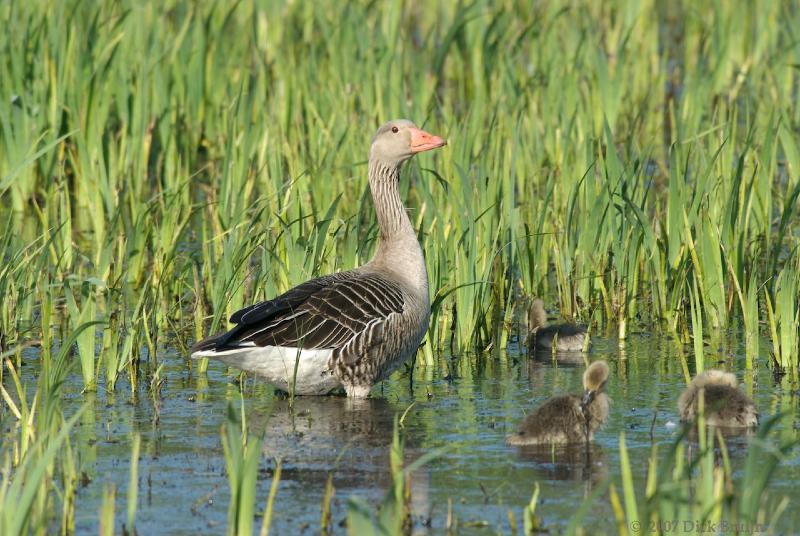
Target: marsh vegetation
163	164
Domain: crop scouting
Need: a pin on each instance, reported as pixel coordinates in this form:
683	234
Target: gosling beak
588	396
423	141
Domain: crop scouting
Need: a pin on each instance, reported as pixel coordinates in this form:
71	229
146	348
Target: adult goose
541	337
725	405
349	329
566	419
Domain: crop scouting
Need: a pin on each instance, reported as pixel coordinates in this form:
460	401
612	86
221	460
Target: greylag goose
568	418
349	329
725	405
565	337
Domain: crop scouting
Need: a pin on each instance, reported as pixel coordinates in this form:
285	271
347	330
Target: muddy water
183	488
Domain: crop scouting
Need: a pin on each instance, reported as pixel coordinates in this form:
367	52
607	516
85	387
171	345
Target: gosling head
537	318
594	380
400	139
715	377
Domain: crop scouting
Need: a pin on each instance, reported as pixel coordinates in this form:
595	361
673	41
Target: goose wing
327	312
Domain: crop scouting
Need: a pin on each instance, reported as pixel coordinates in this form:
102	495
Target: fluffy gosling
566	337
725	405
568	418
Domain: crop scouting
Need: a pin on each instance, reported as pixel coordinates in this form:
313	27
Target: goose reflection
348	438
566	359
579	462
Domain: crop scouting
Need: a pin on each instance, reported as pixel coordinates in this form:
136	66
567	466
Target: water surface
183	487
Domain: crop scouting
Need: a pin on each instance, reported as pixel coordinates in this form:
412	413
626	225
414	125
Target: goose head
400	139
594	379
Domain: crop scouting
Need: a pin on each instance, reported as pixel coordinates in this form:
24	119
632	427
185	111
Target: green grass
695	488
163	164
242	457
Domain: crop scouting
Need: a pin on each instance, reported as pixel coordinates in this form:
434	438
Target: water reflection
567	359
315	427
351	439
736	440
580	463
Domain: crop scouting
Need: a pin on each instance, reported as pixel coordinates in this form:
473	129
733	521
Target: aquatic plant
39	448
21	491
133	485
394	514
687	490
163	164
158	184
242	457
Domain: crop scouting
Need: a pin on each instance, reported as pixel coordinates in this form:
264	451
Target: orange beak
422	141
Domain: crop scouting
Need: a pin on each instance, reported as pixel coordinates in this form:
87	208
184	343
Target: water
183	488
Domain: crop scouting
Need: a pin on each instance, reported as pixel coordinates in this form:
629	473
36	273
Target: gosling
565	337
568	418
725	405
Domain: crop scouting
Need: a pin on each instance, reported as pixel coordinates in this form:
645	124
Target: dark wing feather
289	300
322	313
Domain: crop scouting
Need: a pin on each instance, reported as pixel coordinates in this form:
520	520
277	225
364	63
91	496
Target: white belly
277	365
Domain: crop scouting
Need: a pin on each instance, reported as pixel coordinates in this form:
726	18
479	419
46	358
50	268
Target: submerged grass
163	164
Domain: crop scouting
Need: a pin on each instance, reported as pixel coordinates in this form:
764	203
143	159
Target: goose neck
399	252
391	213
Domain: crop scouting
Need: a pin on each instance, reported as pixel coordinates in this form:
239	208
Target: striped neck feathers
391	213
399	251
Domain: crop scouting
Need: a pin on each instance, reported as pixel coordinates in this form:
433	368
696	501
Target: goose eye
395	130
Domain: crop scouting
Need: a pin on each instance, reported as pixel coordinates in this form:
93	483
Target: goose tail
209	347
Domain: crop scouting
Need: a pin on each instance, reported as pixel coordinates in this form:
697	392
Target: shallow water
183	488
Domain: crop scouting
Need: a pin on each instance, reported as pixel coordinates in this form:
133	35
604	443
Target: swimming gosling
566	337
725	405
568	418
